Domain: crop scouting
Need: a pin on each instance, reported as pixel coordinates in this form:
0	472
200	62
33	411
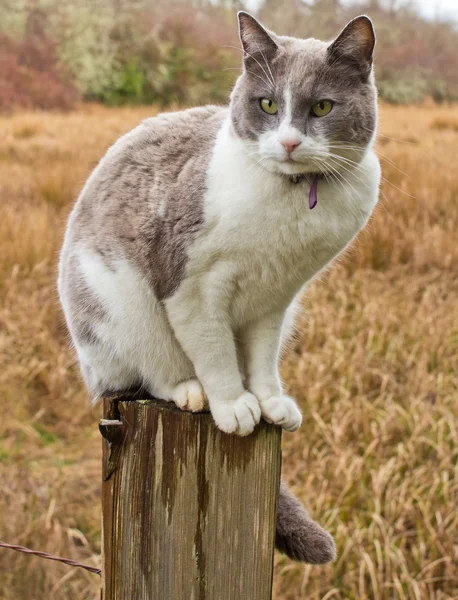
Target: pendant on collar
313	195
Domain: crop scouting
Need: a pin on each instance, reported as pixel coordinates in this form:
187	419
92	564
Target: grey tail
298	536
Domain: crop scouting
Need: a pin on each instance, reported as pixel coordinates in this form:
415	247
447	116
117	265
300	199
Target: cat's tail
298	536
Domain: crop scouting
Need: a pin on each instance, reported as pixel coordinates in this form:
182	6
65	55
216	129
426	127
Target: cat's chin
289	167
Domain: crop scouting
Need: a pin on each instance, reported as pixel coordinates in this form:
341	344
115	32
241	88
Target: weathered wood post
188	512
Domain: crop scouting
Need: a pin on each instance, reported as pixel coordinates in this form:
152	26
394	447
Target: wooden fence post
188	512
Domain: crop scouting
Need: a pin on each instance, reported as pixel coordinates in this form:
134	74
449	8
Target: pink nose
290	145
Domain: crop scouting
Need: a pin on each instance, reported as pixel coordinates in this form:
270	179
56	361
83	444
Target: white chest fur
261	241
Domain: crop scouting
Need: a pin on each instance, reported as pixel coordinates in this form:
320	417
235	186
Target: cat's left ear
355	45
256	41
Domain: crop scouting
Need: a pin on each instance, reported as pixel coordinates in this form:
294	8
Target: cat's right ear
256	41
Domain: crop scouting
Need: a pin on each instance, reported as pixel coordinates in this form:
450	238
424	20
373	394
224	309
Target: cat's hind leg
104	373
121	332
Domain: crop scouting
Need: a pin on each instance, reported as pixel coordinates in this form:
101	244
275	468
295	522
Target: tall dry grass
375	371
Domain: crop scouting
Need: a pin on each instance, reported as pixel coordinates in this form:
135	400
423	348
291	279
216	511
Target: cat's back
168	141
142	173
149	158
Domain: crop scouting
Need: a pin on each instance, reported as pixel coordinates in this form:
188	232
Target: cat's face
305	106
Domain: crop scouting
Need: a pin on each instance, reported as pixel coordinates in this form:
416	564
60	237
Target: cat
193	238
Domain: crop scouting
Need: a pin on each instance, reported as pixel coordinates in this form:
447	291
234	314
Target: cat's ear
256	41
355	44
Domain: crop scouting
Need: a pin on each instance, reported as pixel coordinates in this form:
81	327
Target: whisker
346	161
267	65
257	163
269	77
345	179
384	179
268	84
386	210
272	82
380	190
347	164
380	134
387	137
342	180
380	154
343	176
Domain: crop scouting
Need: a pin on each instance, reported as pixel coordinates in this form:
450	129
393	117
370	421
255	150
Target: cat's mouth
292	166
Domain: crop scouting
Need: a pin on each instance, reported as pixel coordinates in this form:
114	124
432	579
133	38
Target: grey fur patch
298	536
145	200
312	70
185	152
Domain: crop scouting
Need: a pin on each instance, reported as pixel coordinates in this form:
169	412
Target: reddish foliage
31	77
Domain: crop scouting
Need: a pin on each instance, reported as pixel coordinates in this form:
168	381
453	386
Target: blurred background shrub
175	52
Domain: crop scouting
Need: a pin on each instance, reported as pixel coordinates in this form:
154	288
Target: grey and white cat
196	233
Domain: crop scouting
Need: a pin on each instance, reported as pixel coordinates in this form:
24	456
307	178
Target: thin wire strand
66	561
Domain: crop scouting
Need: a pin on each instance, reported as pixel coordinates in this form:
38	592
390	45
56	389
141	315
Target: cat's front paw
240	416
190	395
282	410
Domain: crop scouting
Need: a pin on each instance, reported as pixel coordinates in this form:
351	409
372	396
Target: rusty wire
66	561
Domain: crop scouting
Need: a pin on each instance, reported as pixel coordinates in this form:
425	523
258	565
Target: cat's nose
290	145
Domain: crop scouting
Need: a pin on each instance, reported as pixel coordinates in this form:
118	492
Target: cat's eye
322	108
269	106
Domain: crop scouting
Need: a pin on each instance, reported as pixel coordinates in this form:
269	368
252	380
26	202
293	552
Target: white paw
239	416
190	395
282	410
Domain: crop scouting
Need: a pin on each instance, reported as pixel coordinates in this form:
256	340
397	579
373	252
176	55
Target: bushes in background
176	52
178	55
31	75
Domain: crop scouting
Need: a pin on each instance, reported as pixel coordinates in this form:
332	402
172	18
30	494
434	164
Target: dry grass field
375	371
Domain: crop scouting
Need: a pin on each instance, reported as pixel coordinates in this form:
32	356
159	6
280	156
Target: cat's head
305	106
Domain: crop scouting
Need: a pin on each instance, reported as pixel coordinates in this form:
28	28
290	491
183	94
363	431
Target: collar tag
313	195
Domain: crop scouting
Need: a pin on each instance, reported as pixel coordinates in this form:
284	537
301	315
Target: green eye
322	108
269	106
